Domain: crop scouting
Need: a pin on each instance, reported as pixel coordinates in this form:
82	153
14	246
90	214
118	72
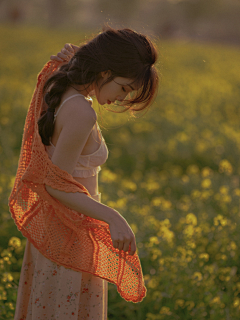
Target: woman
116	65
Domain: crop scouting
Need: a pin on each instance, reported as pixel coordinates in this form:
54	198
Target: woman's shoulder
76	107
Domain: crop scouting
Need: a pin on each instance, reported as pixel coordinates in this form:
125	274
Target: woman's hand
122	235
66	53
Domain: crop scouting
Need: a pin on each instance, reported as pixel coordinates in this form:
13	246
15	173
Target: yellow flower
10	305
190	305
204	256
237	192
193	169
195	194
206	194
6	253
226	198
165	310
216	300
166	205
233	245
236	302
223	189
191	219
154	240
179	303
7	277
206	172
206	183
3	295
128	184
156	253
121	202
219	218
156	201
108	176
189	231
197	276
14	242
225	167
152	186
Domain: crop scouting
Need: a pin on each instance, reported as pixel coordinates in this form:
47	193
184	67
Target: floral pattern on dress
48	291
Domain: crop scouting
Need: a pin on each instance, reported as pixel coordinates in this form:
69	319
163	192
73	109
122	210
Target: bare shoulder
75	122
78	112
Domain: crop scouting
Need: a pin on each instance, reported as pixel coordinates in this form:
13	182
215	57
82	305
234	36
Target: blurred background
202	20
172	173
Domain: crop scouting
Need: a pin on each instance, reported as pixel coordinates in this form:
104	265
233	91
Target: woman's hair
124	52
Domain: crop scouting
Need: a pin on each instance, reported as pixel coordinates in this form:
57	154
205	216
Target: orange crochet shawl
58	232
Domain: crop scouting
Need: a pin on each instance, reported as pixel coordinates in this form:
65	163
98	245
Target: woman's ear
106	74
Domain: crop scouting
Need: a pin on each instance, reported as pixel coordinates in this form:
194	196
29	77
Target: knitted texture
61	234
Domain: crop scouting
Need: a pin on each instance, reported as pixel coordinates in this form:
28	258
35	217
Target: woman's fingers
133	247
75	48
56	58
68	47
60	57
126	245
115	244
65	54
120	244
122	236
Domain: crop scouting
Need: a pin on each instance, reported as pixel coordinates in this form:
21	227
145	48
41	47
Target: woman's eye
123	89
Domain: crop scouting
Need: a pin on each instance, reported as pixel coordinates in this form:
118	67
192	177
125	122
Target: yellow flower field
173	173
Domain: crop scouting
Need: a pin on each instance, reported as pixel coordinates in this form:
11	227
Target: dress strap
75	95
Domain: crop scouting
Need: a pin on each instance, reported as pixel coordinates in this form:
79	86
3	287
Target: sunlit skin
115	90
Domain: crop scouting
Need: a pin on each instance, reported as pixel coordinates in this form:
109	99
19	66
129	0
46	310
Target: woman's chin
101	102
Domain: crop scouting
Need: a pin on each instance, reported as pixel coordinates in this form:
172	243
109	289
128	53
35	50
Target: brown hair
124	52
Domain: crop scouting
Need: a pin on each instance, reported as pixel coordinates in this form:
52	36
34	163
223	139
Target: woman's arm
121	233
82	203
79	119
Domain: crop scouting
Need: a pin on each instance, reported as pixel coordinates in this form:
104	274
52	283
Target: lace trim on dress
86	173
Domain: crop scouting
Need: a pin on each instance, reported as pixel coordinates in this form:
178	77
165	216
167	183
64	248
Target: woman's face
117	89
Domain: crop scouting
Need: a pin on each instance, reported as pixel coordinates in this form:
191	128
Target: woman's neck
85	89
